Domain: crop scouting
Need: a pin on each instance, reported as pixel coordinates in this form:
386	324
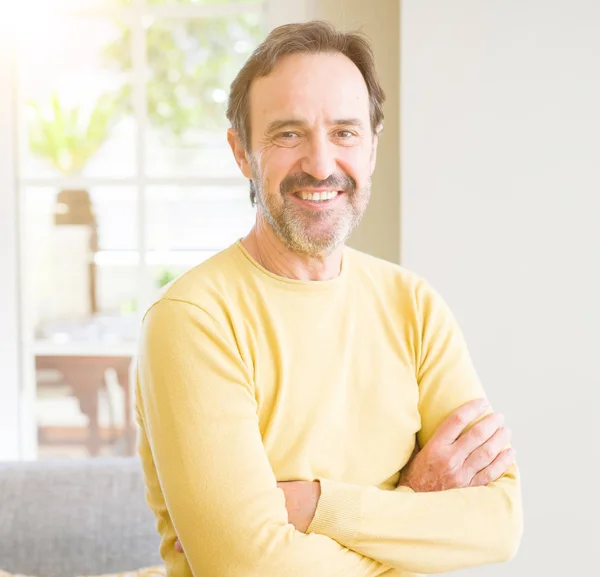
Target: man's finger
178	547
495	470
455	423
484	455
479	434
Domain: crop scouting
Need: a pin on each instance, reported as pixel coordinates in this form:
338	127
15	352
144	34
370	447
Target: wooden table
83	367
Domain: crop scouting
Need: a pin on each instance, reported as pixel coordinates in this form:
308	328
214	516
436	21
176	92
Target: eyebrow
279	124
349	122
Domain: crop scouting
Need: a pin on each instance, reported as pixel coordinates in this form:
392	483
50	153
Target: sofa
71	518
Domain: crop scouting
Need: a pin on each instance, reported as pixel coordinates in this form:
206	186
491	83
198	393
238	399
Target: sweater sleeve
198	412
434	532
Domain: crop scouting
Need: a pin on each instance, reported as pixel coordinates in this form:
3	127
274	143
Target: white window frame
138	16
18	429
10	353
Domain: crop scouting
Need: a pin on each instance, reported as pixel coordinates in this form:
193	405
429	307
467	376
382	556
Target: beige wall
379	233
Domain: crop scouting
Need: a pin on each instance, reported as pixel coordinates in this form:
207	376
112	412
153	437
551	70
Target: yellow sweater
246	378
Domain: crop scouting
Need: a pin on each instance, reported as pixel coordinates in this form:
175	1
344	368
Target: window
125	180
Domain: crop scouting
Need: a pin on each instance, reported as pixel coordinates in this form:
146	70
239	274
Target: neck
266	248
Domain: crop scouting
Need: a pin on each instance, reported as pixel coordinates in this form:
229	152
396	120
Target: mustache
301	180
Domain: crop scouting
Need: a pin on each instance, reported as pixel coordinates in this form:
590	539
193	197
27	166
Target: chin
322	247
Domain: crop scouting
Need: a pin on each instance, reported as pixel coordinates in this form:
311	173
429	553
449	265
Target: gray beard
292	224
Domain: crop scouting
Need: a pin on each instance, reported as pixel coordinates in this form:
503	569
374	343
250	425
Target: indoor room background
116	177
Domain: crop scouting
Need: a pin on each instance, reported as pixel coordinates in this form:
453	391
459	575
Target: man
284	384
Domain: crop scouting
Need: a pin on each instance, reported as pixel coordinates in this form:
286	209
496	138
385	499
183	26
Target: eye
345	137
287	138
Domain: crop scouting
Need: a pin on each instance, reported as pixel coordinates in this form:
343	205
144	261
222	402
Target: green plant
164	277
190	66
67	137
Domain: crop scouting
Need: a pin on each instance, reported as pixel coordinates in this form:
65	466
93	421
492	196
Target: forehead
309	87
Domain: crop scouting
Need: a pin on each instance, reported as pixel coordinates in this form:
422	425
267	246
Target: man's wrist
338	511
301	501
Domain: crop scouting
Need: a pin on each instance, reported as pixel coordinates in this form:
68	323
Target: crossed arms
222	497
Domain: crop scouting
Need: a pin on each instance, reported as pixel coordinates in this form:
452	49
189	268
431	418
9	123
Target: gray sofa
68	518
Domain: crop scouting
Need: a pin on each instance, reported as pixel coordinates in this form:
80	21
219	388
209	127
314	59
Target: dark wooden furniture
85	374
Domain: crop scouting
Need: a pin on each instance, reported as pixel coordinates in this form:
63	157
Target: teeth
318	196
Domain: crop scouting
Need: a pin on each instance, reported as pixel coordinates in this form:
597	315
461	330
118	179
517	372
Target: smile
318	196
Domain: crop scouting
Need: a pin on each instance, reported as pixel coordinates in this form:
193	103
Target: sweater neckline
302	285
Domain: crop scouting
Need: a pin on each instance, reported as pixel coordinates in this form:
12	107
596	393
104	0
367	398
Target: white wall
500	208
9	331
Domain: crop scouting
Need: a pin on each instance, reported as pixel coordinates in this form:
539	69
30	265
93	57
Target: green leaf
66	138
187	62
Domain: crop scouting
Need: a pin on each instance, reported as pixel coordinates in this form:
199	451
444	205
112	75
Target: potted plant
68	138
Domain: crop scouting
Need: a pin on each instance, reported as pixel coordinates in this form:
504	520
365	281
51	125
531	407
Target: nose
319	160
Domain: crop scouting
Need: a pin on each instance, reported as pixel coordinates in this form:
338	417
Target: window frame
138	16
18	428
15	438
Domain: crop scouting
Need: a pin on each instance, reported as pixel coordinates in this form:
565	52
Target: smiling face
312	150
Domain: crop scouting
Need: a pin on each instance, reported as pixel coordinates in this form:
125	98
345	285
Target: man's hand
301	498
455	459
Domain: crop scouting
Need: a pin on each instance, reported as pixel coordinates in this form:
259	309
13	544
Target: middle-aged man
286	385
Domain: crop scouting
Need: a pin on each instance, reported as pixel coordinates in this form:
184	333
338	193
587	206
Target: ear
239	152
374	151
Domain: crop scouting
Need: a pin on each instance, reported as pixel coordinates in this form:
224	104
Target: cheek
277	163
356	163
